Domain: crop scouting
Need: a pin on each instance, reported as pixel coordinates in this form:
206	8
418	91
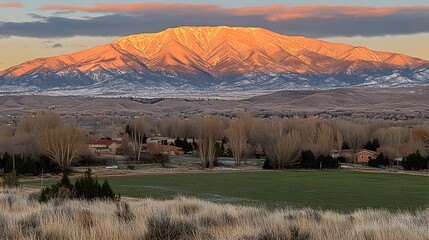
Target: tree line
284	142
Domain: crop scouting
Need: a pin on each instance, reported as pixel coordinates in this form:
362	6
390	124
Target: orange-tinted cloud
138	7
282	12
11	4
272	13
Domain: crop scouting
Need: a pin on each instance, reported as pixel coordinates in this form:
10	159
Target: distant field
343	191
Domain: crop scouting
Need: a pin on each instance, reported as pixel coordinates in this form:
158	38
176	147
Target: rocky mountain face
212	60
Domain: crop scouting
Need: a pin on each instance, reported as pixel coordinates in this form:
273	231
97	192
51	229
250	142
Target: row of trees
39	136
282	141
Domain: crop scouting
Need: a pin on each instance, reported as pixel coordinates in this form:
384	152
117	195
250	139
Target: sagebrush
23	217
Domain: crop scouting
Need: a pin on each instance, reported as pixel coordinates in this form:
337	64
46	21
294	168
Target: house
364	155
104	146
346	153
160	140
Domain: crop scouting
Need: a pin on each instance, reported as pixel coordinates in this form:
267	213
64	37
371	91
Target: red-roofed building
104	146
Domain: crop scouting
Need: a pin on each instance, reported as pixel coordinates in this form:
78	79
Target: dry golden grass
22	217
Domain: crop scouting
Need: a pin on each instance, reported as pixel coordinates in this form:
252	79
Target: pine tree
106	191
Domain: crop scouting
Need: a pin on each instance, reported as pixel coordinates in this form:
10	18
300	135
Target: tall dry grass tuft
22	217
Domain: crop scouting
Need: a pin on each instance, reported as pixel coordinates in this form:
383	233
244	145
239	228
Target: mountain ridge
216	59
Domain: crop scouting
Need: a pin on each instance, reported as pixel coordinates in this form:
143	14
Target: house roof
164	147
104	142
367	151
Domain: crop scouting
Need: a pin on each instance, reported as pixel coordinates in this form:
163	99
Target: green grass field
343	191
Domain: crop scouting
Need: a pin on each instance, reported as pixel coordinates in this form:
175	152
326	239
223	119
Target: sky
39	28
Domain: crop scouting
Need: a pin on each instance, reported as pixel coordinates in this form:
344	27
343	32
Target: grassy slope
343	191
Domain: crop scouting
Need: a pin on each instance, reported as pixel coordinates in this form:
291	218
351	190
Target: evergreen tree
381	160
87	187
7	163
106	191
30	166
372	145
415	162
327	162
1	162
307	159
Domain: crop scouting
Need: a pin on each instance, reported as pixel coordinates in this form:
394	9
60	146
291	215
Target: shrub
415	162
3	224
267	164
297	234
61	190
381	160
86	187
341	159
308	160
163	227
11	180
30	226
123	212
328	162
131	167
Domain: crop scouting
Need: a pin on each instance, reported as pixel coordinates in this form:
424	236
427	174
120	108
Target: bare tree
413	145
136	132
280	147
340	141
22	140
238	134
391	139
355	134
39	123
63	145
126	148
324	139
6	131
317	137
421	132
208	130
23	144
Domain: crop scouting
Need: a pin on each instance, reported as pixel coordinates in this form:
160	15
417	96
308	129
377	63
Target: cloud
273	13
11	5
311	21
51	44
182	8
36	16
57	45
59	13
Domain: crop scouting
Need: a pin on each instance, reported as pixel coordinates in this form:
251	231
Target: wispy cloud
138	7
312	21
272	13
51	44
11	5
57	45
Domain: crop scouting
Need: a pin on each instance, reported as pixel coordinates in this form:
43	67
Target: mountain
213	60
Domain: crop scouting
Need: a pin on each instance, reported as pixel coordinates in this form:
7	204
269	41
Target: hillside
408	101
